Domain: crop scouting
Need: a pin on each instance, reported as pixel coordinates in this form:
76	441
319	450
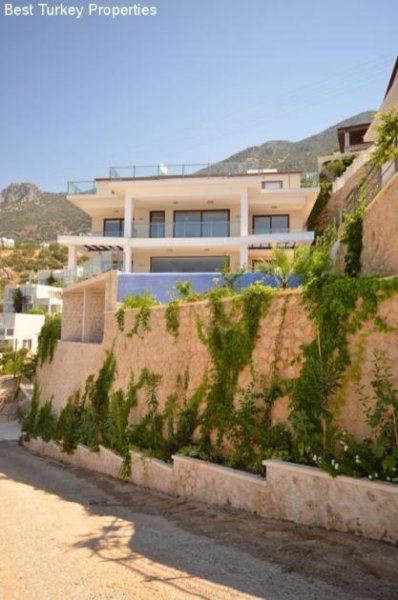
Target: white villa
22	330
189	219
18	330
45	297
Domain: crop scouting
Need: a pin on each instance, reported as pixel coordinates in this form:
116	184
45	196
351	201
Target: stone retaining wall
380	233
171	357
290	492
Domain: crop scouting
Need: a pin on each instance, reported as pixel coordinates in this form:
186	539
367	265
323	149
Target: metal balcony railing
194	229
77	188
183	170
375	178
162	171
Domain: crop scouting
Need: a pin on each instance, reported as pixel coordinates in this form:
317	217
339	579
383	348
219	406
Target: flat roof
259	173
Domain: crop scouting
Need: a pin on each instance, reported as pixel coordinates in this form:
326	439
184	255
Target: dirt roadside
68	533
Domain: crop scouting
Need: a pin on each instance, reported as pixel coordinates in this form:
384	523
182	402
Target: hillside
301	155
28	214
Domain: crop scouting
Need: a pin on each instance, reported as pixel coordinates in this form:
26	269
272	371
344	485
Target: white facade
45	297
150	222
20	331
7	242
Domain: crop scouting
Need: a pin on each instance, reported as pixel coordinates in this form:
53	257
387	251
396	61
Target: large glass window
156	225
188	264
113	227
215	223
201	223
270	224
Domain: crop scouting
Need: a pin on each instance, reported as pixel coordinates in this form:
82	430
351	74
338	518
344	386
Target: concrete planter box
222	486
304	495
309	496
152	473
105	461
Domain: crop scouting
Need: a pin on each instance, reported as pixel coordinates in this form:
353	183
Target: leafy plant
18	300
353	238
143	302
36	310
29	421
68	428
387	138
19	364
46	421
185	288
172	318
232	278
230	340
282	265
382	416
49	336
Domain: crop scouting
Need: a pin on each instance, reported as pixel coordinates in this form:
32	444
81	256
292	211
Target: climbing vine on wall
338	306
230	337
143	304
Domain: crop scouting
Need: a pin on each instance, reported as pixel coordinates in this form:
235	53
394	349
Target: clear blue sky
198	82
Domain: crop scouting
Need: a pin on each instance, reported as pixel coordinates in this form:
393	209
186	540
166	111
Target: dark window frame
269	217
264	182
157	212
210	210
226	259
121	227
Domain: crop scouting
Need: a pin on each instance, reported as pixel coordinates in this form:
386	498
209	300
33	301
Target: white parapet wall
304	495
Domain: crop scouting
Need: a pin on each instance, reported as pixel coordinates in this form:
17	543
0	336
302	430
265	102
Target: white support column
127	256
72	258
244	256
346	141
244	214
128	215
84	317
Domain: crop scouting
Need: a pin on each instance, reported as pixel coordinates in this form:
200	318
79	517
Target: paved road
10	431
68	534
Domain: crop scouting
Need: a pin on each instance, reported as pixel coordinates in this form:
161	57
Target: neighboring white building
7	242
20	331
181	218
45	297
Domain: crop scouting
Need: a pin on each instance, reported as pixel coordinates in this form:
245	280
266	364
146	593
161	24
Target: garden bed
305	495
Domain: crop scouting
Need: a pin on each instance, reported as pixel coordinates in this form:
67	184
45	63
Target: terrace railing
194	229
78	188
163	171
375	178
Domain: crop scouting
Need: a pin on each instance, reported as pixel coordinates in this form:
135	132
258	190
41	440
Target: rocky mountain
301	155
27	214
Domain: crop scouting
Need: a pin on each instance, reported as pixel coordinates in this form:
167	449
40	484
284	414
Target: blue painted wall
162	285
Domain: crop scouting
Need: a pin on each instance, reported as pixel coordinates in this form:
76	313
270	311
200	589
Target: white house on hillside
45	297
19	331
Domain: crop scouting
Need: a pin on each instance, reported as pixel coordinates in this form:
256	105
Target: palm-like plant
282	265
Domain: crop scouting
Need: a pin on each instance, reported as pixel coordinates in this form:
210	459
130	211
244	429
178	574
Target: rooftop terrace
166	171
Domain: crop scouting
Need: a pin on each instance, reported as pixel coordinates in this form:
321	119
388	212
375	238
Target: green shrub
353	238
48	338
29	422
46	421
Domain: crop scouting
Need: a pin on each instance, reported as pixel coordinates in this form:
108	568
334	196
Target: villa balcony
179	235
